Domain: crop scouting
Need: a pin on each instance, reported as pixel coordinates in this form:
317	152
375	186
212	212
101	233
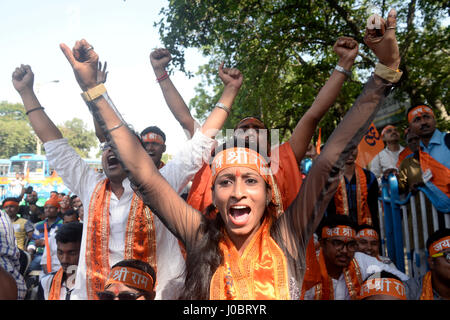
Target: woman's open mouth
239	214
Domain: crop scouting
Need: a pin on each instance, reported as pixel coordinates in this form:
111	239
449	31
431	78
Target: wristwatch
346	72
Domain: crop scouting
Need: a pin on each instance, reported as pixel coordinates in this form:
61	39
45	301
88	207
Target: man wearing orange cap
43	230
435	284
385	161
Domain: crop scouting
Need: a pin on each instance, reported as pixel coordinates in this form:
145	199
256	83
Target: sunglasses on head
108	295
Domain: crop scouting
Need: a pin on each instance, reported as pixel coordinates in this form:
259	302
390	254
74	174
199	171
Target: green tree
284	50
16	135
81	139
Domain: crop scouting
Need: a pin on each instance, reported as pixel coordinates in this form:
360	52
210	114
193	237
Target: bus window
17	167
35	166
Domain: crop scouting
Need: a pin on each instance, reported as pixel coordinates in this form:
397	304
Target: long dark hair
205	257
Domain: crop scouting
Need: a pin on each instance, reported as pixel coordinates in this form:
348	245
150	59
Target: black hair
365	226
143	266
71	212
69	232
438	234
156	130
333	221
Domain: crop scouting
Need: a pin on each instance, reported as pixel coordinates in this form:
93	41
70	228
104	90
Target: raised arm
23	79
231	78
160	59
181	219
297	225
347	49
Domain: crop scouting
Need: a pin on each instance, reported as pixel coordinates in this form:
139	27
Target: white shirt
385	159
81	180
367	266
46	283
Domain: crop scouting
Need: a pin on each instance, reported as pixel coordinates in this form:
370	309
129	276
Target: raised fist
160	59
230	76
23	78
380	38
346	48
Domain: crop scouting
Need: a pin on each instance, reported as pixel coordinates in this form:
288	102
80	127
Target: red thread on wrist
163	77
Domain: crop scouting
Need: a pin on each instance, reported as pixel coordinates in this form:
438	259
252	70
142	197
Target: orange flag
370	145
47	248
318	143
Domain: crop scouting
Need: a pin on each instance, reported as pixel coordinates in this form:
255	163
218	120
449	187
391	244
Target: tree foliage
16	135
284	50
78	136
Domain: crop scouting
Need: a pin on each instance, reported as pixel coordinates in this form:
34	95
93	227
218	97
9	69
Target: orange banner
370	145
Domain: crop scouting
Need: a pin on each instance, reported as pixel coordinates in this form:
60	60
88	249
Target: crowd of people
252	225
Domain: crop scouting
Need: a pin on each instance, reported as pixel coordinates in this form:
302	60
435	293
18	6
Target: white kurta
81	180
385	159
367	266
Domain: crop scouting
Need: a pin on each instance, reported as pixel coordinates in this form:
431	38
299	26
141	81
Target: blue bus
33	170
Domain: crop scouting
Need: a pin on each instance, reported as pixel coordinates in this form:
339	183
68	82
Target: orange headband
367	233
439	245
53	201
419	111
251	120
386	286
338	231
386	128
10	203
240	157
152	137
131	277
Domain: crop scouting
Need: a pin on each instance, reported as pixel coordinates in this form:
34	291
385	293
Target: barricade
395	212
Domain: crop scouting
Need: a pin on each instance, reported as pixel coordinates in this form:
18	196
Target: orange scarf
427	287
55	288
441	174
47	248
140	239
260	273
341	198
352	275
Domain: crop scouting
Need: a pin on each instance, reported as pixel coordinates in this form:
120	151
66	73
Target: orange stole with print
441	174
341	199
427	287
55	288
140	238
260	273
352	275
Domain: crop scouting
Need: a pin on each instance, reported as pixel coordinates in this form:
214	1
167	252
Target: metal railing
396	214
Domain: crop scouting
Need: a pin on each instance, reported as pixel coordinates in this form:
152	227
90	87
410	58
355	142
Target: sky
122	33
